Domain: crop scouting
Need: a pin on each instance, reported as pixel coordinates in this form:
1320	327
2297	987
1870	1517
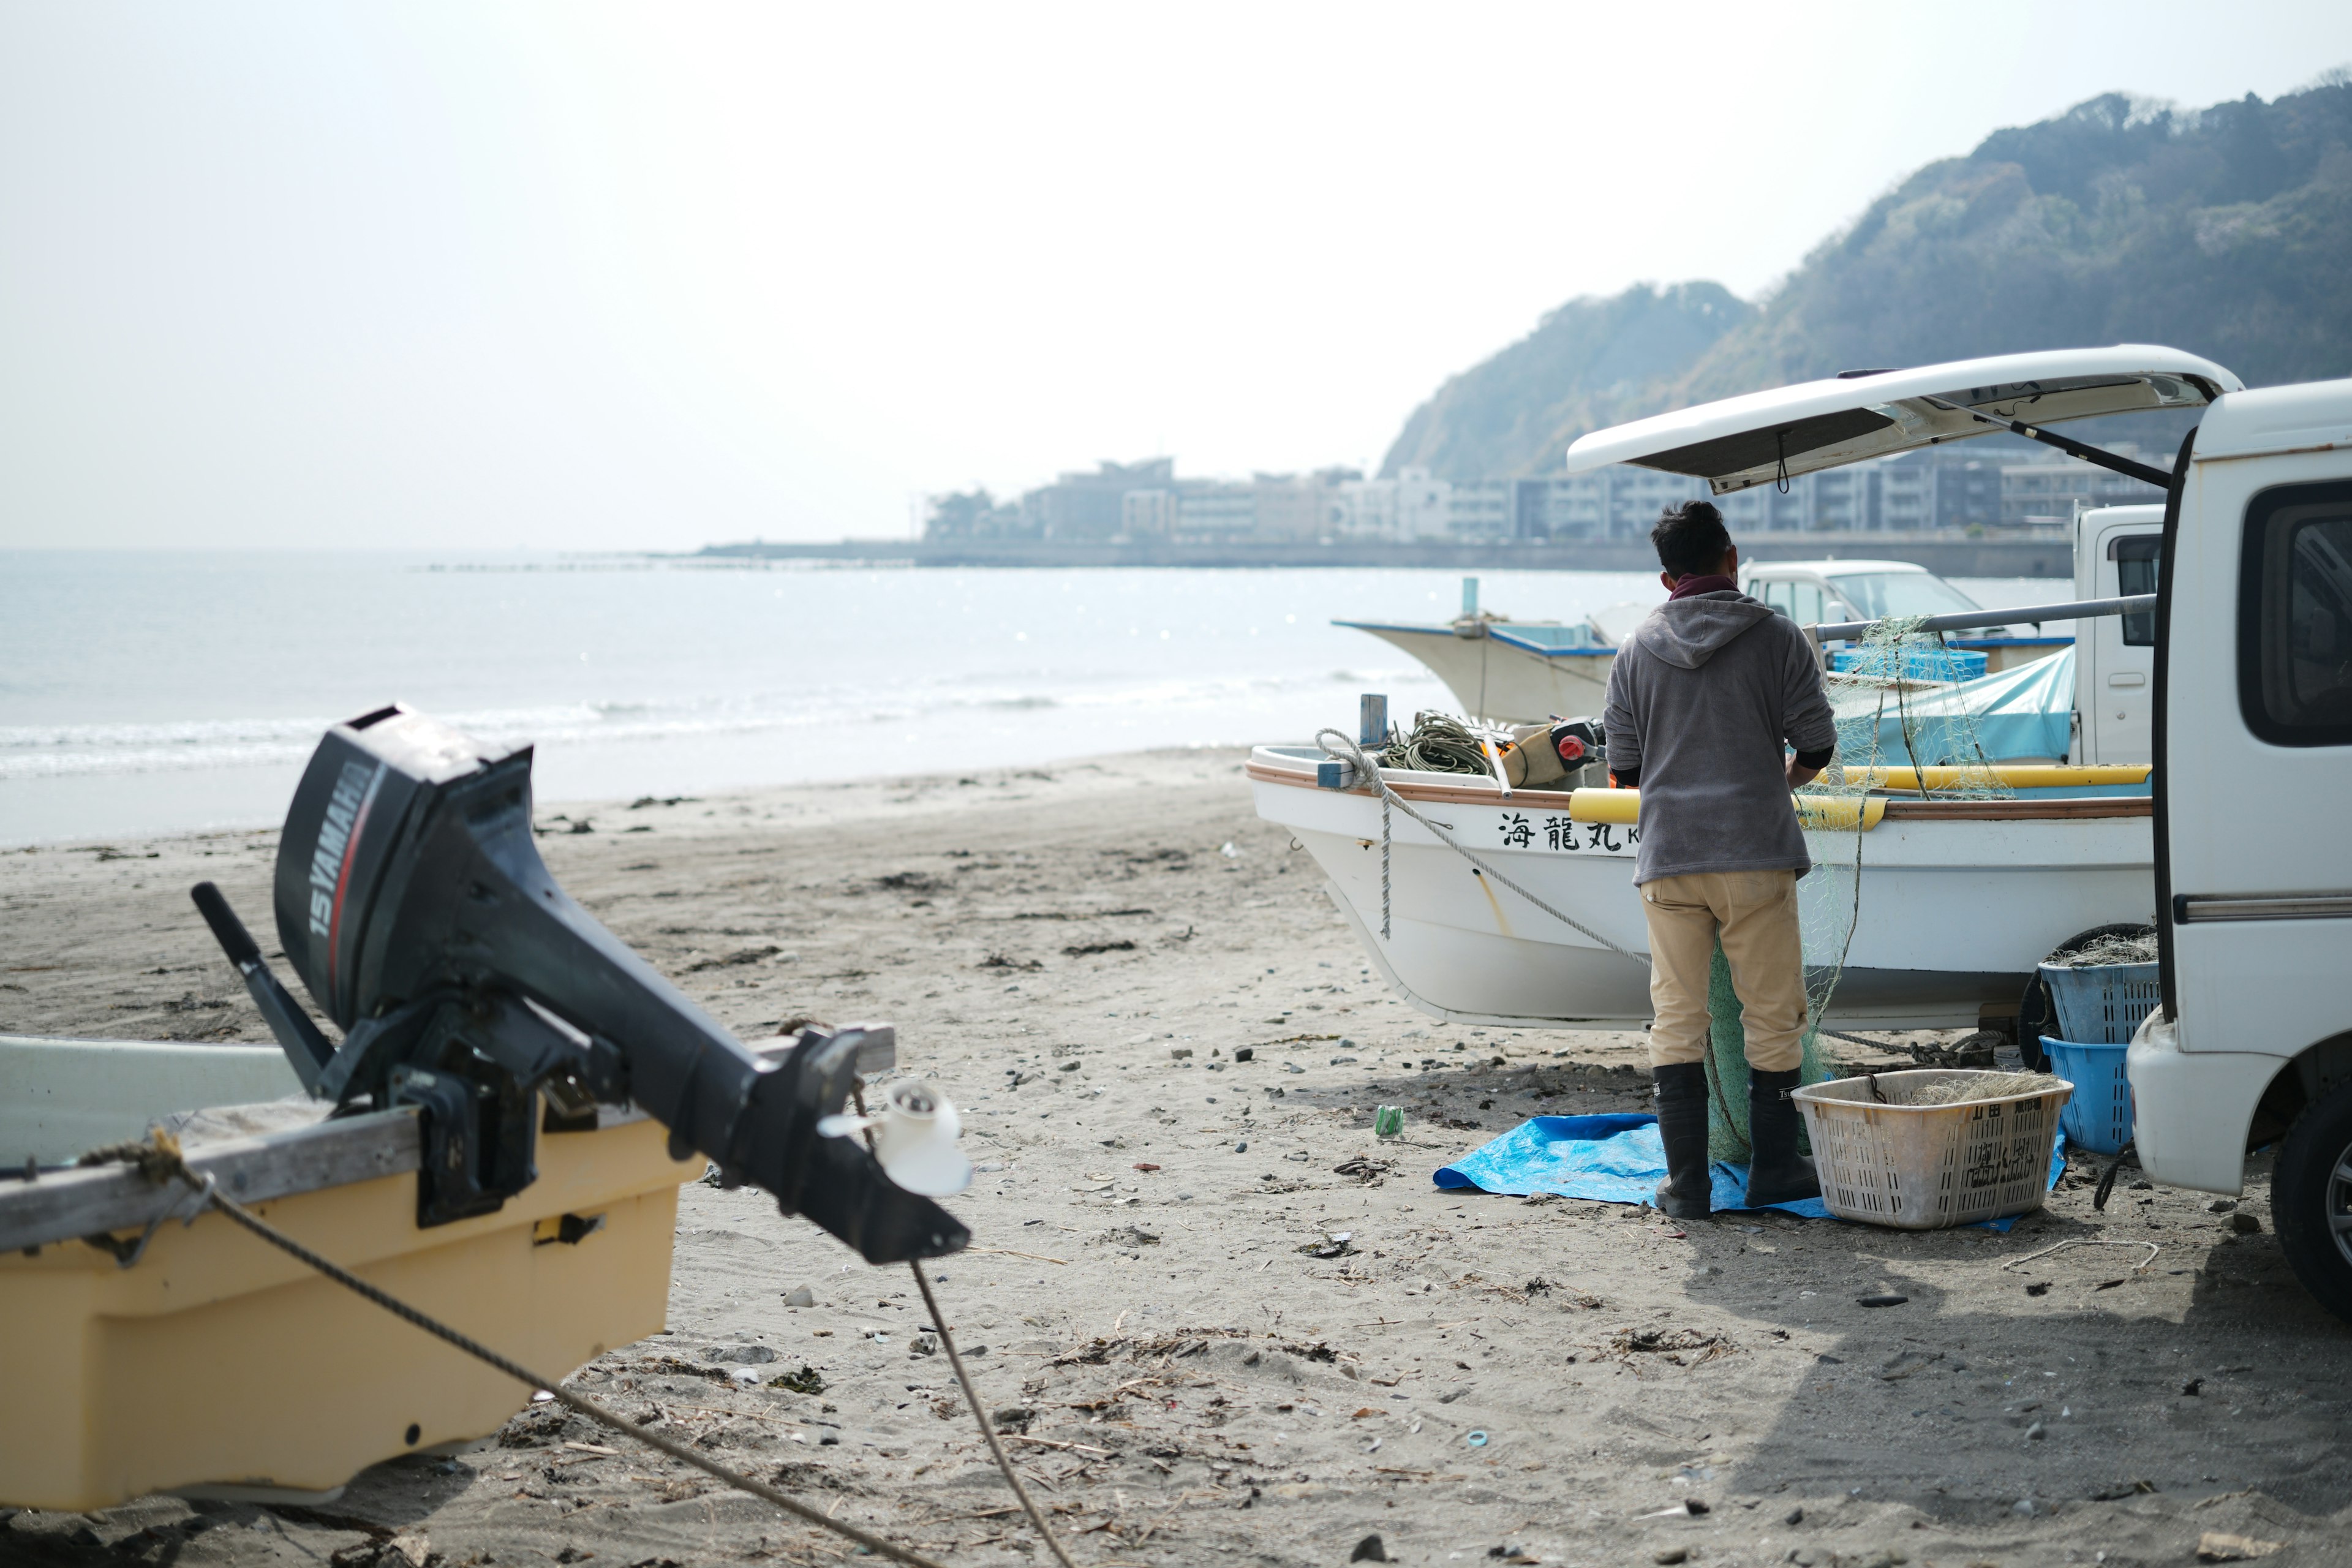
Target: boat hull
1494	678
216	1366
1953	912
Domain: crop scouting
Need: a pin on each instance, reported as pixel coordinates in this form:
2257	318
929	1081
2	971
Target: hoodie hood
1689	632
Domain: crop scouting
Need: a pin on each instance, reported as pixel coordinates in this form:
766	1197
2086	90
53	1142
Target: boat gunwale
1498	632
67	1205
1897	807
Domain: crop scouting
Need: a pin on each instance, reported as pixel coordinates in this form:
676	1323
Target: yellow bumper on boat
218	1362
1999	776
1624	807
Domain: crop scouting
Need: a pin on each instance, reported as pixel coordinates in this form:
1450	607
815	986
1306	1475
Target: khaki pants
1755	912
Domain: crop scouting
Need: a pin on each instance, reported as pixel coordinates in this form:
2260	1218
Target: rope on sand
159	1160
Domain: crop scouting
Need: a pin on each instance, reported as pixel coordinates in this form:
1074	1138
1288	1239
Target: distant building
972	514
2047	493
1301	506
1412	506
1093	506
1479	512
1986	485
1148	514
1214	509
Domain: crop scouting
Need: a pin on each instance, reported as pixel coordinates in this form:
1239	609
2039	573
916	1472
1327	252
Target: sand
1572	1382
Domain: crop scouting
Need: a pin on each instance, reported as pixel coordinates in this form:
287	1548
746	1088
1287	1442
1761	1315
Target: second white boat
1953	903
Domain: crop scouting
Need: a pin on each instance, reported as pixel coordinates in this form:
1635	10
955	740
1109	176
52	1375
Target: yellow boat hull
217	1362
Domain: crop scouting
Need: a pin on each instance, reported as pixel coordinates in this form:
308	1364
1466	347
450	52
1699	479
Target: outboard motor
412	902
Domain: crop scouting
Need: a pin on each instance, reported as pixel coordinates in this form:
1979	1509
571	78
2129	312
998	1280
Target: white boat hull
1493	679
1953	912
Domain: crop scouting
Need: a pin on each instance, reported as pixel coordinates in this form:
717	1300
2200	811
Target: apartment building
1985	485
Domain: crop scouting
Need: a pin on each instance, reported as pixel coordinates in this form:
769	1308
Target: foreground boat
144	1357
1959	899
485	1144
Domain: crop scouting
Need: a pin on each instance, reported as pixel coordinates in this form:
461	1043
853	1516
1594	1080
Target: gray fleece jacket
1702	701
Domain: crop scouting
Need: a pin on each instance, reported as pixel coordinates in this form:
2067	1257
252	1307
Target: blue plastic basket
1918	663
2101	1004
2099	1116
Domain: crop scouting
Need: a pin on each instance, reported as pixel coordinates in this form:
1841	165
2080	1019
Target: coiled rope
1438	744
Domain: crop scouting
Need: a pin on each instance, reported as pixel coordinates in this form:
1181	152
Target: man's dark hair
1691	539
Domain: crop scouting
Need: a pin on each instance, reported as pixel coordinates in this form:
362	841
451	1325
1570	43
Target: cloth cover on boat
2027	711
1616	1158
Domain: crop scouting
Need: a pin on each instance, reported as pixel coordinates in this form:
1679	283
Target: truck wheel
2311	1201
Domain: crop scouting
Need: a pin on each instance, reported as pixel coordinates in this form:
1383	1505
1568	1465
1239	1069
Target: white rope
1384	868
1366	769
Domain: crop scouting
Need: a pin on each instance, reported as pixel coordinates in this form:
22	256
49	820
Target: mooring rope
159	1159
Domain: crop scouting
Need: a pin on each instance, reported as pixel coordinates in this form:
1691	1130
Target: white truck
2248	662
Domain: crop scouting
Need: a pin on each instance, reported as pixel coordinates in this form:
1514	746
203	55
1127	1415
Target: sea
147	693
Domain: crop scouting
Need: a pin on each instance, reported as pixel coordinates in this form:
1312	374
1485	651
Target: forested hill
2226	231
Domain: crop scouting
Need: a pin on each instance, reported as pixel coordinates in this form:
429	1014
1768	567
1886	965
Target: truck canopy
1789	430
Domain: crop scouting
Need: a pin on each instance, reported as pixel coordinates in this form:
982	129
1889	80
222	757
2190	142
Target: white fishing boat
1516	671
1959	898
1947	903
1523	672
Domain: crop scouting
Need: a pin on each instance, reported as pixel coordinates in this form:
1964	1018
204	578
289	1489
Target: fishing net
1901	731
2108	951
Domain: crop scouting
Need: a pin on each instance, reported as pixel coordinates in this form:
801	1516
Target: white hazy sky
597	275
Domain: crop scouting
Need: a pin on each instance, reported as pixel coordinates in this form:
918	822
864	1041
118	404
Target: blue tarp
2023	712
1615	1159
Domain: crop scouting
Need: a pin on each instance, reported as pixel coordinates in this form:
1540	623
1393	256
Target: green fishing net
1893	709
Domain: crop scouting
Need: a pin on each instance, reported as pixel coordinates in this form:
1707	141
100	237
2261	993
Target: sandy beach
1075	953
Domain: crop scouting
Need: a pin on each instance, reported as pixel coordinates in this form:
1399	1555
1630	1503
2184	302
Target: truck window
2294	615
1806	607
2138	563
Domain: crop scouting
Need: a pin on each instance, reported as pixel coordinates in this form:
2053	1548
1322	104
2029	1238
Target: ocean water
144	694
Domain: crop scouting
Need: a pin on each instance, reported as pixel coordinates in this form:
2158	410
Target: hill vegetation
2225	231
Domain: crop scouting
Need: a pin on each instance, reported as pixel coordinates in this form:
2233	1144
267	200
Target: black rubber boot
1688	1191
1777	1173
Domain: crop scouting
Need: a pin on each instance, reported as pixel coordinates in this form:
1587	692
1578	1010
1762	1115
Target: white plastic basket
1923	1167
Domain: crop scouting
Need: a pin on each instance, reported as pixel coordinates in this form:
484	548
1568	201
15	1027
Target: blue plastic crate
1919	662
2099	1116
2101	1004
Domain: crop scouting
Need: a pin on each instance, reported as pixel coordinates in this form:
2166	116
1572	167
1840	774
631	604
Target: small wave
67	750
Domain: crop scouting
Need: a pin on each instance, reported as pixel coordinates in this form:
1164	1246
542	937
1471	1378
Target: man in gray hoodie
1706	701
